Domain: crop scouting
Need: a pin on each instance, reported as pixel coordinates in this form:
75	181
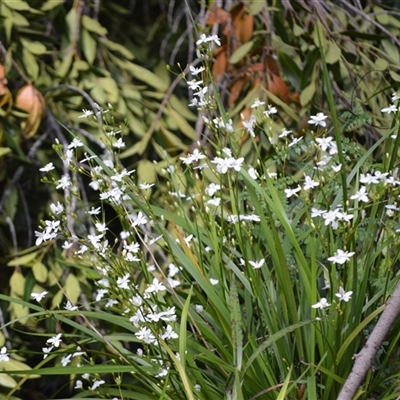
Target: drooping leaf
23	260
50	4
39	271
72	288
241	52
290	69
92	25
17	5
30	64
146	171
89	46
17	283
146	76
333	54
307	94
119	48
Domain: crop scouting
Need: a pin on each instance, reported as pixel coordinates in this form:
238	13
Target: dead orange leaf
32	102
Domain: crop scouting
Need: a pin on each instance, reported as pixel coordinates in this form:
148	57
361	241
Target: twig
14	63
91	102
364	359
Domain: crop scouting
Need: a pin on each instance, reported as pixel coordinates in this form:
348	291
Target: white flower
395	96
257	264
197	387
119	144
75	143
342	295
86	113
70	307
309	183
294	141
290	192
341	256
64	182
214	202
270	110
123	282
206	39
214	281
323	303
48	167
140	219
249	125
194	85
55	340
317	213
145	186
284	133
252	173
46	351
146	335
96	384
196	71
361	195
324	143
65	360
318	119
78	384
39	296
4	355
390	109
155	287
169	333
257	103
212	188
56	208
199	308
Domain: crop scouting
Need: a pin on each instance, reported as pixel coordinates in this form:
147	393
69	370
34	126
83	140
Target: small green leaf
298	30
30	63
23	260
307	94
93	26
391	51
182	124
146	171
290	69
89	46
57	299
72	288
17	5
118	48
146	76
256	6
111	88
381	64
35	47
395	76
7	381
4	151
333	54
11	203
39	272
17	283
14	365
50	4
241	52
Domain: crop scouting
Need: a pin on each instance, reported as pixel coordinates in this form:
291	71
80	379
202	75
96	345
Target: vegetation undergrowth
238	282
